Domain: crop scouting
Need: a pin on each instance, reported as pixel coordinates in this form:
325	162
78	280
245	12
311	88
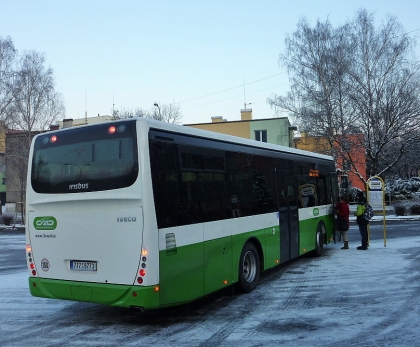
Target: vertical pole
367	199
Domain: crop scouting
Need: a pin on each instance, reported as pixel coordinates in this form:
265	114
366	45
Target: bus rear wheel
249	268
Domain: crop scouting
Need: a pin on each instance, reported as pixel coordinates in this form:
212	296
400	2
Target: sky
211	58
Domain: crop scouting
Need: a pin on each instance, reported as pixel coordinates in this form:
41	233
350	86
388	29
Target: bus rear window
96	158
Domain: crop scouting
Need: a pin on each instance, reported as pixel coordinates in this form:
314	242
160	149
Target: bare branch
170	113
354	79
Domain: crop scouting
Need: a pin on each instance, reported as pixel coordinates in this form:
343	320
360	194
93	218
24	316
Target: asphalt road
344	298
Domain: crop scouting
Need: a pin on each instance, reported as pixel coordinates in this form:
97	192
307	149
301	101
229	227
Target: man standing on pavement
361	221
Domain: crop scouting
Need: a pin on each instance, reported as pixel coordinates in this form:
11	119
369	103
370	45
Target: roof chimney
54	127
217	119
246	114
67	123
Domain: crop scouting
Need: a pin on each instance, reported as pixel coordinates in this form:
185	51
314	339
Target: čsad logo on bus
45	223
316	211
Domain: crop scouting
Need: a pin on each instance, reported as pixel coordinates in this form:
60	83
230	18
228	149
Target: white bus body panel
91	227
195	233
110	237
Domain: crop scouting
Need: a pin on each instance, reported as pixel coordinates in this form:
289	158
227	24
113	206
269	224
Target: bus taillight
142	271
113	129
32	266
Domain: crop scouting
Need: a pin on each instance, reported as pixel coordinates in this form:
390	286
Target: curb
17	228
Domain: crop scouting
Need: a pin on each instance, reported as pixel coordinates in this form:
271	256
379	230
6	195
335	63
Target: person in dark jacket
361	221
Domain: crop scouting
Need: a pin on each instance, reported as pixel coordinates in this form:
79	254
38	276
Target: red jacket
343	210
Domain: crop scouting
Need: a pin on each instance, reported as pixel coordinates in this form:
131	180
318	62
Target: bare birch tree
7	73
7	60
36	105
355	79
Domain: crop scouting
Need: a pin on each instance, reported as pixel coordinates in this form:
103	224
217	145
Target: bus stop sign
375	184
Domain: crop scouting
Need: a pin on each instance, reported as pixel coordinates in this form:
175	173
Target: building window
3	181
261	135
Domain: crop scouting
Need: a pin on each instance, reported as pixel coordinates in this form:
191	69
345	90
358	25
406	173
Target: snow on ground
14	280
344	298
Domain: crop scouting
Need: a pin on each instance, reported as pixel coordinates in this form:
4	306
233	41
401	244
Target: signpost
375	189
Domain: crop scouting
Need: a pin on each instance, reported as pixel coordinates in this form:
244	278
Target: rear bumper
98	293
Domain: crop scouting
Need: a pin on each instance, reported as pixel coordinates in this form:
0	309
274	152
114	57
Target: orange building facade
356	151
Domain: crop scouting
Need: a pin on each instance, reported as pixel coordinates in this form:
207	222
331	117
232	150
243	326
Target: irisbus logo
45	223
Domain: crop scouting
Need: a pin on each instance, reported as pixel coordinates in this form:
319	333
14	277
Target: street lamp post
157	105
291	131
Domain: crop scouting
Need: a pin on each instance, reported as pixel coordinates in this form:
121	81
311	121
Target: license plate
77	265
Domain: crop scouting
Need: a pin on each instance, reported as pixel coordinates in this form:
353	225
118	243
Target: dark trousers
364	234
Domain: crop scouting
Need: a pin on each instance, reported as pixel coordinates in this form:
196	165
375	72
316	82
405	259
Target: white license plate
77	265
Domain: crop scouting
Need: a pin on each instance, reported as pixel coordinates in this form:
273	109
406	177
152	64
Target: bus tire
319	239
249	268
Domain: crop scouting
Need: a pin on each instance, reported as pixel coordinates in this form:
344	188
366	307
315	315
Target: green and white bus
146	214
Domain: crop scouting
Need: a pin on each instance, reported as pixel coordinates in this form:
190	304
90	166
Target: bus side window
322	191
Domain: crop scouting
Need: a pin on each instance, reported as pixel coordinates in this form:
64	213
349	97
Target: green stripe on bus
199	269
307	232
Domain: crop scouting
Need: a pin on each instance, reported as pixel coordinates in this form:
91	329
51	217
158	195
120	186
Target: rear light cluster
31	263
142	270
116	129
49	139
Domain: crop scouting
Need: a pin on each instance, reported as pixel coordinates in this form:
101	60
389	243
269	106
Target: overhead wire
234	97
225	90
241	86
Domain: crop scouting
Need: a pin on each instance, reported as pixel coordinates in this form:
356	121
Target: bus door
288	217
335	194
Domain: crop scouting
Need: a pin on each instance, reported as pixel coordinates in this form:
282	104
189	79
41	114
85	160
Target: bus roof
200	133
228	138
